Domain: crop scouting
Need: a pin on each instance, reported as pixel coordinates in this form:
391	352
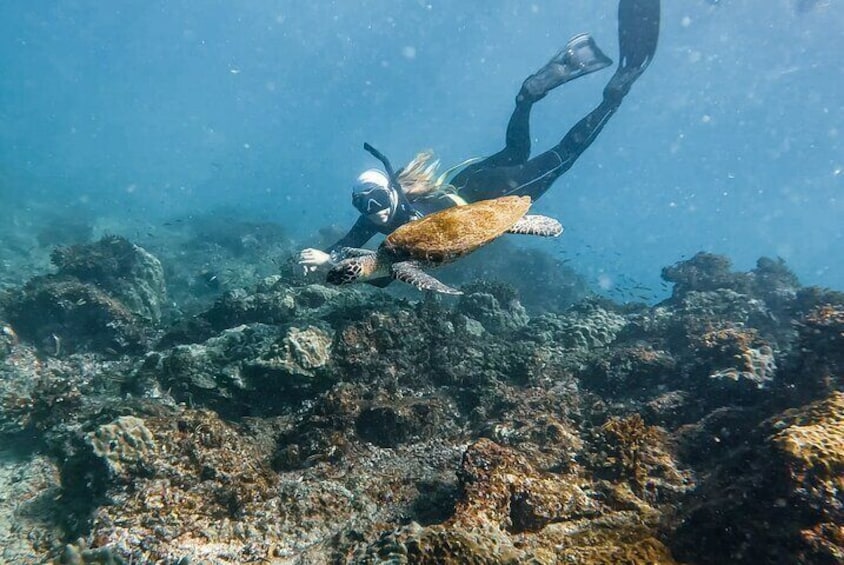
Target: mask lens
372	200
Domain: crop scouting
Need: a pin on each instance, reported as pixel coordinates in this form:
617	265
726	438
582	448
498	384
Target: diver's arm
312	259
361	232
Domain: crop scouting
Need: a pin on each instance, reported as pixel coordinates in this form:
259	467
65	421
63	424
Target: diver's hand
312	259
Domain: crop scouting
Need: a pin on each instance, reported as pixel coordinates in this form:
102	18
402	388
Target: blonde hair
419	178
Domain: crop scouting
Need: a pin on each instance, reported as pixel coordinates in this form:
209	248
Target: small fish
57	345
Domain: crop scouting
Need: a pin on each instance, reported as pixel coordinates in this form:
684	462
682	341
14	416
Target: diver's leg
516	151
638	33
535	176
580	56
516	139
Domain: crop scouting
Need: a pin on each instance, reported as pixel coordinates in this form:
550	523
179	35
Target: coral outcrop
105	297
124	271
246	369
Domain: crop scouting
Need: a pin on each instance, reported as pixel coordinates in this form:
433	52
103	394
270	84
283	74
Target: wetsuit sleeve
361	232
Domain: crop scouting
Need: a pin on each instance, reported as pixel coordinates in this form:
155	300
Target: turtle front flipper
410	273
354	269
534	224
346	252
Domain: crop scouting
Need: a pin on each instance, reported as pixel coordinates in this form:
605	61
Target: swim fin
580	56
638	33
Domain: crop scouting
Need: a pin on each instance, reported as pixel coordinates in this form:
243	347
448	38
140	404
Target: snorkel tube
388	168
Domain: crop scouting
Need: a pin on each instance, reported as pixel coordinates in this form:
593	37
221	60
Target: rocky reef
290	422
104	297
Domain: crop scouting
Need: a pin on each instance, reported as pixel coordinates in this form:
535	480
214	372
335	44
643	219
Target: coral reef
630	440
736	359
509	513
124	444
289	422
779	496
29	525
187	473
495	306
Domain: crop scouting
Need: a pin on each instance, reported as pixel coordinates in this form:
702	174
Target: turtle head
347	271
361	266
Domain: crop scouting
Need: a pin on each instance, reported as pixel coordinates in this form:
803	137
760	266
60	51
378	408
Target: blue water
140	111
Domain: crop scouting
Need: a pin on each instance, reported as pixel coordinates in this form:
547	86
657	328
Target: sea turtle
440	238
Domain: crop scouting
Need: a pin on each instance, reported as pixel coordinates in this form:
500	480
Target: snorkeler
511	171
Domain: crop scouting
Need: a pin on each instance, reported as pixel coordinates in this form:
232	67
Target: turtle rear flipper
410	273
534	224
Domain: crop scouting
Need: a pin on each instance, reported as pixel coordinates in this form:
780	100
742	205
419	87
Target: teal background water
144	111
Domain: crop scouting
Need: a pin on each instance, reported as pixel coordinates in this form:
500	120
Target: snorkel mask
371	193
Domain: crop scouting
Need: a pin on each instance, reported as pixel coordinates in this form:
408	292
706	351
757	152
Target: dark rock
106	297
633	371
817	367
8	339
62	315
323	433
124	271
389	425
775	283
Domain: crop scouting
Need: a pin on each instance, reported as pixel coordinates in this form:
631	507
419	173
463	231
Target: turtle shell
454	232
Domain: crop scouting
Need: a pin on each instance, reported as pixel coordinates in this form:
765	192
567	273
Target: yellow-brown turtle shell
451	233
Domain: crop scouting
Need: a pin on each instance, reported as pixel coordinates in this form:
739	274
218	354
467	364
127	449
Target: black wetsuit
511	170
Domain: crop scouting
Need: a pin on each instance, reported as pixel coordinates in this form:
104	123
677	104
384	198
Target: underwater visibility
422	282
